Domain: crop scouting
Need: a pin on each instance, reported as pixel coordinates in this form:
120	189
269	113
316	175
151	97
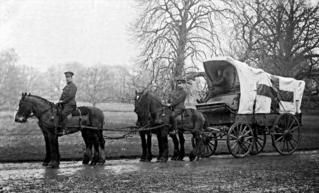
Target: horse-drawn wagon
253	105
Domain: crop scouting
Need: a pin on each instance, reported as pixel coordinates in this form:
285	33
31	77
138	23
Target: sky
50	32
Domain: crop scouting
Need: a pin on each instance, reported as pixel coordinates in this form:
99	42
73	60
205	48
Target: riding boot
174	126
64	127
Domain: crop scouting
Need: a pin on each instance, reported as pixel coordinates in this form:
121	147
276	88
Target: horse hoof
191	157
161	160
180	159
142	160
148	160
101	162
53	164
93	163
173	158
45	163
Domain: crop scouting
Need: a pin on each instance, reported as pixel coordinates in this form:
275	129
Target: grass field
24	142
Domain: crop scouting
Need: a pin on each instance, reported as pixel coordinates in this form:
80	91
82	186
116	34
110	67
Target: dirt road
263	173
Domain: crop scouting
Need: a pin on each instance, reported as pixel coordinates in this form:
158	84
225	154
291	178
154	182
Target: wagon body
256	103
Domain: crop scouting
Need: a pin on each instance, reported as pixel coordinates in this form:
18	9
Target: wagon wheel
260	141
210	144
240	139
286	134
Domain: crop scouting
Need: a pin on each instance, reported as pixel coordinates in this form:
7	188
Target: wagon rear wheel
286	134
260	141
240	139
210	144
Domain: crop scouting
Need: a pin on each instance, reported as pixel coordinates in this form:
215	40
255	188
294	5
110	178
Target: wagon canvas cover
264	87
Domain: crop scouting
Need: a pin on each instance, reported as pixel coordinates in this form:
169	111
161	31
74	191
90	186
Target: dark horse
151	113
48	117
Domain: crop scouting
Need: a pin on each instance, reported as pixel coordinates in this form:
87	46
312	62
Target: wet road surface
262	173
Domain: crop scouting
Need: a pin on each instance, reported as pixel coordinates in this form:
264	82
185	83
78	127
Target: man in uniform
67	99
218	87
177	100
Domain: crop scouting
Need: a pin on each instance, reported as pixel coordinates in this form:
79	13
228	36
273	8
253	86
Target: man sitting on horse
67	99
177	102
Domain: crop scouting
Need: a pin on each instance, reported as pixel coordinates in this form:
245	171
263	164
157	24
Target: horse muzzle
20	119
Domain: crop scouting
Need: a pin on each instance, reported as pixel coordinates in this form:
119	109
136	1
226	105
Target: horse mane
45	100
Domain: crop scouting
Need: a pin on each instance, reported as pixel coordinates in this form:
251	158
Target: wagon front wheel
240	139
210	144
286	134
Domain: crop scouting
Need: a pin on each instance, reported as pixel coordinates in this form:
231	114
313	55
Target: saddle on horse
179	119
77	118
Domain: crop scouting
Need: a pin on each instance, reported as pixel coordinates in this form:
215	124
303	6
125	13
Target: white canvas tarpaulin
267	89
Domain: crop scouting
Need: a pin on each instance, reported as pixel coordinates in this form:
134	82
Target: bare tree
11	84
281	37
174	31
94	85
55	80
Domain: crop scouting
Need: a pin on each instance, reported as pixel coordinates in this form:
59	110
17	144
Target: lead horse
48	121
152	113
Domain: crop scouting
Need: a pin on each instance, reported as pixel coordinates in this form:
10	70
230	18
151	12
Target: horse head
30	105
148	109
25	109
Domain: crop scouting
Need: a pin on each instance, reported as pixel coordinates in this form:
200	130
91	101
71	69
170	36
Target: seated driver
177	100
219	87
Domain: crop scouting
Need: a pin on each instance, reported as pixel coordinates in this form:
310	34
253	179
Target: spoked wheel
286	134
210	144
240	139
260	141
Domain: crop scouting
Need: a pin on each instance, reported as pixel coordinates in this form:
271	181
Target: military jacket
178	98
68	94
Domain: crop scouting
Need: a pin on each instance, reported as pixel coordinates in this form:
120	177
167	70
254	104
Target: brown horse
49	119
151	112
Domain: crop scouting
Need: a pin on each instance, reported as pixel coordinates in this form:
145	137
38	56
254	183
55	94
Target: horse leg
192	155
143	140
102	145
53	138
57	150
95	157
164	134
176	149
181	154
87	154
47	150
160	145
149	155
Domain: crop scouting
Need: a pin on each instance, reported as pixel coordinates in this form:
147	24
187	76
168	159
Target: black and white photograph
153	96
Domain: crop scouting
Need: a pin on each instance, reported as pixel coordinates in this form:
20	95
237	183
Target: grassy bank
22	142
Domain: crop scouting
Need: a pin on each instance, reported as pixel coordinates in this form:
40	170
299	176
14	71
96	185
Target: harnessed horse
48	117
151	112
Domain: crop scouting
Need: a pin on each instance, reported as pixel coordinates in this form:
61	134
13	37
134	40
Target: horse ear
29	94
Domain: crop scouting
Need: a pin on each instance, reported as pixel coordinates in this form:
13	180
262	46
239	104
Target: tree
55	80
31	79
282	37
95	85
11	85
172	32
